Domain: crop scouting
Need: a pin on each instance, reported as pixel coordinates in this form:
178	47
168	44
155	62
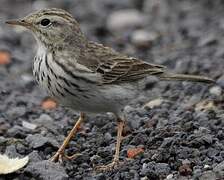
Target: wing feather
115	67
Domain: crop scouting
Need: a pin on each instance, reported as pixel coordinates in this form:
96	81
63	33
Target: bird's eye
45	22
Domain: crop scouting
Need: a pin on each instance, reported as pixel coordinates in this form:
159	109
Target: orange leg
115	162
61	151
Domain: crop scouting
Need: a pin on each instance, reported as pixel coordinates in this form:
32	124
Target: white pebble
29	125
143	38
144	178
206	166
154	103
124	19
27	78
170	176
215	90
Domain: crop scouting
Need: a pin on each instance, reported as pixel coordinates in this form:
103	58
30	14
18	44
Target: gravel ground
182	132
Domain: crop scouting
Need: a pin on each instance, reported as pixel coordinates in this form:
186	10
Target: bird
87	76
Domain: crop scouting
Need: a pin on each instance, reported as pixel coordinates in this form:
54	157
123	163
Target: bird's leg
61	151
115	161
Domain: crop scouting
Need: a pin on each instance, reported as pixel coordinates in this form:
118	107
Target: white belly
77	93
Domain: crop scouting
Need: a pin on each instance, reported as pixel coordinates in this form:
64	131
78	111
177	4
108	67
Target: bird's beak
18	22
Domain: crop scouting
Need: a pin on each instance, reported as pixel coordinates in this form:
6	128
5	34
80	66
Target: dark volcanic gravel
182	135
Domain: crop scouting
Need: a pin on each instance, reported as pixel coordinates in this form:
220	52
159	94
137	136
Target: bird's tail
185	77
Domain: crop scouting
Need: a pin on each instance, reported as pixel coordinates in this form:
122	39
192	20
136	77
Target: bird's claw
109	167
59	156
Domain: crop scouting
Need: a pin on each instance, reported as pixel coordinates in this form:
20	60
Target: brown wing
115	67
126	69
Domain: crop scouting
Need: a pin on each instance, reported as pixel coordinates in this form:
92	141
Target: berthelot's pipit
87	76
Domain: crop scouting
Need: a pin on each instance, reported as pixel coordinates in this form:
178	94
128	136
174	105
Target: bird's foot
109	167
59	156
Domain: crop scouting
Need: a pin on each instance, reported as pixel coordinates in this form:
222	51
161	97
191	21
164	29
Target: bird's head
51	26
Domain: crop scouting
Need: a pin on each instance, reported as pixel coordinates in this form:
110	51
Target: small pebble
37	140
16	112
29	125
206	167
26	78
215	90
153	103
142	38
170	176
125	19
44	119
